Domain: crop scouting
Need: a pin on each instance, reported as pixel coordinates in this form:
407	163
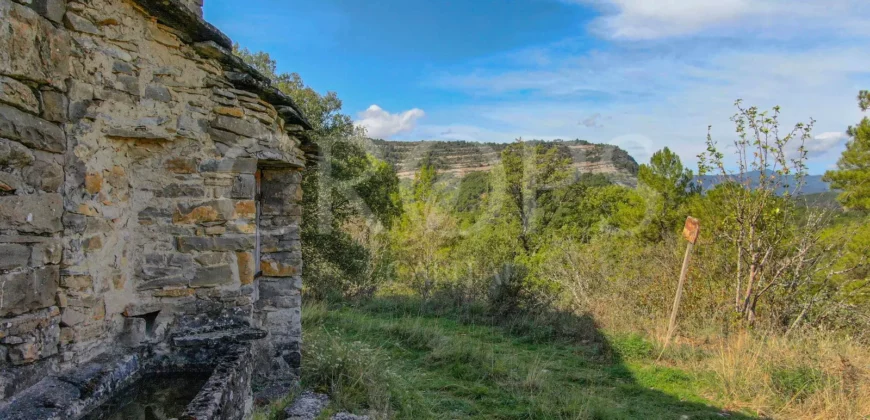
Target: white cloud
826	142
382	125
654	19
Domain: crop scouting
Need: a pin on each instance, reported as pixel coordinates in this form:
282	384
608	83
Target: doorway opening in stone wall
258	177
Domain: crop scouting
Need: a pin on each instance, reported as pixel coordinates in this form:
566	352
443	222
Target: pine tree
853	169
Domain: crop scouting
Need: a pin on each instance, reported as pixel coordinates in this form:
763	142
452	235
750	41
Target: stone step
309	405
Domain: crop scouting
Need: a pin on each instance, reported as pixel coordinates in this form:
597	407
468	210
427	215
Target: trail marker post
690	234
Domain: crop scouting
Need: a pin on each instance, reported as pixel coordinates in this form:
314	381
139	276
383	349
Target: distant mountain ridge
459	158
813	184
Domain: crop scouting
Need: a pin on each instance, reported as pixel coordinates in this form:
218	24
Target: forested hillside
528	280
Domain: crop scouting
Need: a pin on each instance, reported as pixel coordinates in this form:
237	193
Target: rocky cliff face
458	158
132	148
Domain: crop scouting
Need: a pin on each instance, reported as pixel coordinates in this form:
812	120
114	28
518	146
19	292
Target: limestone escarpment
459	158
132	148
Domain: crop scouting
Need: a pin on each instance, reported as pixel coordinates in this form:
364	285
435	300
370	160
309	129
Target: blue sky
642	74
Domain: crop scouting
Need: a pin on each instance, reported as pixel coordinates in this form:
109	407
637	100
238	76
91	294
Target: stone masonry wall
130	146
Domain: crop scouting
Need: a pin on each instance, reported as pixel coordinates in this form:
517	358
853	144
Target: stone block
54	106
44	174
10	183
123	67
37	213
212	276
238	126
77	23
181	165
270	288
244	186
245	209
175	293
46	253
162	282
28	290
17	94
71	317
53	10
158	93
135	331
31	47
245	262
224	243
14	256
180	190
31	131
128	84
214	211
239	165
14	155
136	134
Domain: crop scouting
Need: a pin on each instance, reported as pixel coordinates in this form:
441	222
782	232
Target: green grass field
400	362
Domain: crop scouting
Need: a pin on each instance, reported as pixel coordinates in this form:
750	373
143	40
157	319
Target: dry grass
807	377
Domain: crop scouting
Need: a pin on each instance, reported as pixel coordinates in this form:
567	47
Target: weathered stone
241	165
174	293
123	67
14	256
51	9
28	290
212	276
164	282
31	213
178	165
244	186
231	112
226	243
245	262
180	190
128	84
72	317
17	94
23	353
238	126
46	253
10	183
279	287
224	92
31	47
54	106
158	93
135	331
13	155
32	131
211	211
44	175
77	23
93	182
81	282
136	134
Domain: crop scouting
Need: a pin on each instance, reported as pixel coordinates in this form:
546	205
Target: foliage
853	169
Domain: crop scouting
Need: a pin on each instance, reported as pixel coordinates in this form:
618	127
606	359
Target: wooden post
690	233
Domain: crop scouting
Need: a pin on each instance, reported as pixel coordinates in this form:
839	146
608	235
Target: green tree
853	169
665	175
761	224
532	173
672	183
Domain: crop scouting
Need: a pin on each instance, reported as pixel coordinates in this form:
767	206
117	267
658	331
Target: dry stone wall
132	144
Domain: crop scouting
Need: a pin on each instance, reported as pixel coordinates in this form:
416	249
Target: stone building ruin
149	207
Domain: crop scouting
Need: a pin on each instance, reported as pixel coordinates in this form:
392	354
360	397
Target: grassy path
437	367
